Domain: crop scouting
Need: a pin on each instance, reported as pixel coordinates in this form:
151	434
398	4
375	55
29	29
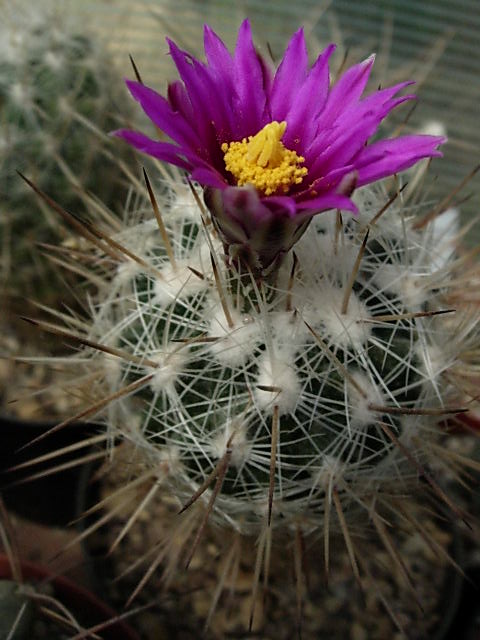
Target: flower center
263	161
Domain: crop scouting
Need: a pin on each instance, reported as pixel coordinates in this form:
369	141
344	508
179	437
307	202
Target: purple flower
272	149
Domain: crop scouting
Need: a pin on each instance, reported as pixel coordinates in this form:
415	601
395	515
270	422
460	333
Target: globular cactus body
278	391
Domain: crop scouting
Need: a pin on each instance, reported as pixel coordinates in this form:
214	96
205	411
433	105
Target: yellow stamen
263	161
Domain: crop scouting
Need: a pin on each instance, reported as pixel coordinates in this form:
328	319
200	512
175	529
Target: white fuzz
53	60
49	143
183	205
433	128
409	431
113	370
170	366
445	229
233	436
283	388
328	474
12	46
343	329
170	461
434	360
235	343
289	329
126	271
410	287
362	393
65	106
175	283
326	254
21	95
6	140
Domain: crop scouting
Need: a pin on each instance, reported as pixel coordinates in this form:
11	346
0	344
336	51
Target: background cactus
58	96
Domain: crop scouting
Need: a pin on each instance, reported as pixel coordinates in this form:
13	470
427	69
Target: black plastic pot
49	499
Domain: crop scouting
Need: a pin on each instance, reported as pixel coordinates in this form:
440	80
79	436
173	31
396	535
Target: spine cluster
269	399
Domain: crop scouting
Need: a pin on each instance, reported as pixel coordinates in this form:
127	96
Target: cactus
277	394
314	362
58	98
313	401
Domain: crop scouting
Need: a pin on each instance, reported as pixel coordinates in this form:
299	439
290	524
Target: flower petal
250	99
303	115
234	96
208	177
378	98
218	56
349	140
213	117
326	183
255	234
179	100
283	205
289	77
267	75
347	90
221	71
244	202
379	103
327	201
162	150
387	157
160	113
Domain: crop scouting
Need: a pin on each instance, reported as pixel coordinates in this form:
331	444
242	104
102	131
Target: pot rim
118	630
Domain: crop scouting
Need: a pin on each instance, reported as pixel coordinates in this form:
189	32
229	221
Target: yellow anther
263	161
265	148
